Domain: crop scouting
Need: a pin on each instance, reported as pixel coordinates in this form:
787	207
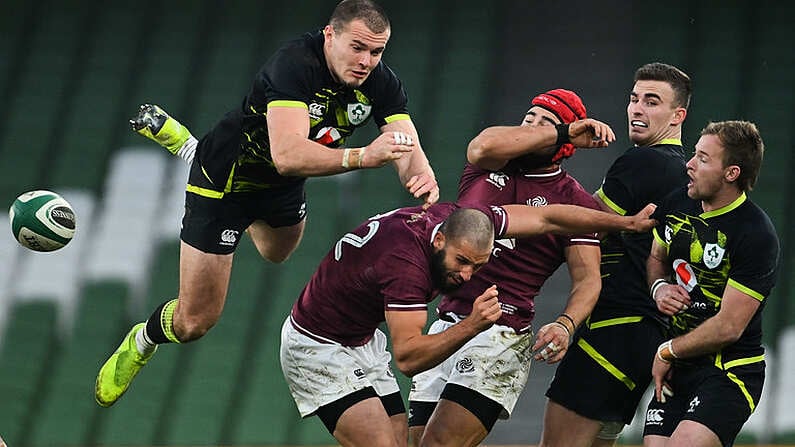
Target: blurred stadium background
72	72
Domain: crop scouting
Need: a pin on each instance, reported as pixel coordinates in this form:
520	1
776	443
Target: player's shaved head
368	11
471	225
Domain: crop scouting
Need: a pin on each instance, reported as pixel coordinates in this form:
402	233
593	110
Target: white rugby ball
42	220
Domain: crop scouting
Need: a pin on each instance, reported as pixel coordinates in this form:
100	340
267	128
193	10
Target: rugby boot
120	369
154	123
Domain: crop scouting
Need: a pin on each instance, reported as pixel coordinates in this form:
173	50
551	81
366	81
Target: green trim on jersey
750	292
397	117
614	322
612	205
671	141
204	192
286	103
723	210
604	363
211	193
660	240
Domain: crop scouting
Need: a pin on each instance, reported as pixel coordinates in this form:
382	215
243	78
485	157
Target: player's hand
552	342
590	133
425	186
661	372
485	310
387	147
642	222
671	299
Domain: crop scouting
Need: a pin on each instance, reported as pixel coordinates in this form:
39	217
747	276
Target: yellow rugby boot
120	369
154	123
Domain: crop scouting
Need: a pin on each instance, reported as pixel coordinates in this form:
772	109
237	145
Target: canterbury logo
229	237
316	110
655	416
498	179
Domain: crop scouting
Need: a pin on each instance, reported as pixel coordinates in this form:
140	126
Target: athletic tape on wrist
662	348
345	162
360	160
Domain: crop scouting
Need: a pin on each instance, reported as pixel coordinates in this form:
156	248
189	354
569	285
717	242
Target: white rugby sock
143	343
188	150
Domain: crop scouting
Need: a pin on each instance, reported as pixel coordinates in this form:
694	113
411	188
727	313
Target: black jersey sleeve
755	258
390	98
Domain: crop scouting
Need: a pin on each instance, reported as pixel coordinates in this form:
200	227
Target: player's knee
193	327
277	257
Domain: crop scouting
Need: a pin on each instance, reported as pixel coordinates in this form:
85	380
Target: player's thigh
366	423
276	244
204	279
655	441
564	427
451	424
278	219
693	434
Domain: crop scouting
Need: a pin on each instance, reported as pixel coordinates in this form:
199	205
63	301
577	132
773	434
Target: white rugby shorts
321	373
495	363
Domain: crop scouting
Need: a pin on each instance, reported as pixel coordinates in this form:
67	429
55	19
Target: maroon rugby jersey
384	264
518	267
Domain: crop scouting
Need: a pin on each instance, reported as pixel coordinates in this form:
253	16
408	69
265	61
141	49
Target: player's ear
328	32
732	173
438	240
679	116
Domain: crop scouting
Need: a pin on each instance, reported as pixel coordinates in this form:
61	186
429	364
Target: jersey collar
672	141
544	174
737	202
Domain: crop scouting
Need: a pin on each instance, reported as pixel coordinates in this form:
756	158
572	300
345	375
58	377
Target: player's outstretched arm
414	170
495	146
525	221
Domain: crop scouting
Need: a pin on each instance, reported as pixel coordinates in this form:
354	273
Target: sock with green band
160	327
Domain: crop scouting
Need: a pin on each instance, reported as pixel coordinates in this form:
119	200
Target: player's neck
672	136
723	198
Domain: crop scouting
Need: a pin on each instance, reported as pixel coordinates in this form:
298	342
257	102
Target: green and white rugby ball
42	220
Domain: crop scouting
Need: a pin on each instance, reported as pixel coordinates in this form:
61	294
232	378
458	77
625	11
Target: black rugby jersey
296	76
642	175
734	246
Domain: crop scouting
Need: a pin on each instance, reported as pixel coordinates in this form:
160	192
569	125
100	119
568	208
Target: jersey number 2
356	241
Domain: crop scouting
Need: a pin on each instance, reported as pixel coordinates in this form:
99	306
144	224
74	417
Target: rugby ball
42	220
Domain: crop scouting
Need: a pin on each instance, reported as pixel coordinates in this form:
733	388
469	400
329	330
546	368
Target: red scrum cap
568	107
565	104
